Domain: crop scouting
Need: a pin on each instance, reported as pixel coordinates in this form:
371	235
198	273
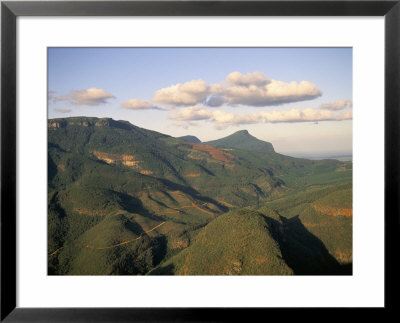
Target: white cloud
254	89
251	89
273	93
233	118
191	114
255	78
137	104
337	105
188	93
306	115
348	115
222	119
91	96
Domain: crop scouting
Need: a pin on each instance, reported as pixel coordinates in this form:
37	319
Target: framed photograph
197	161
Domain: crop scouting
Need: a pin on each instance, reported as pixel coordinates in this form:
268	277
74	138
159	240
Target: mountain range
123	200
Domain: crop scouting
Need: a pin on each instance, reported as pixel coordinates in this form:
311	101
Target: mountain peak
242	139
241	132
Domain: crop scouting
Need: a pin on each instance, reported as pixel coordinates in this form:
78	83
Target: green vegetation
319	212
191	139
242	140
123	200
236	243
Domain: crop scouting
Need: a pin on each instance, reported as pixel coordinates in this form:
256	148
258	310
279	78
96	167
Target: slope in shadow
303	251
161	250
52	169
135	205
193	193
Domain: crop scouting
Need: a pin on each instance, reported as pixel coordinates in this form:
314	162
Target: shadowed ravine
303	251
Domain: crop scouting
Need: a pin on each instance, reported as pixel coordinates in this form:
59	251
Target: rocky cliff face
127	160
87	122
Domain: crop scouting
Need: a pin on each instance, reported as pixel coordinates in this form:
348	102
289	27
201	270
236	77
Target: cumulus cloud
255	78
273	93
214	100
137	104
306	115
191	114
255	89
251	89
91	96
222	119
287	116
337	105
188	93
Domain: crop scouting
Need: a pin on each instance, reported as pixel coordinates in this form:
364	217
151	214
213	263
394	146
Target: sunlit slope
81	212
236	177
78	146
236	243
116	245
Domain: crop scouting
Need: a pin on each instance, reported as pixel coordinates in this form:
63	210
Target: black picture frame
11	10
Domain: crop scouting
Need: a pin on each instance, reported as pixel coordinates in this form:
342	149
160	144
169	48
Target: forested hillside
123	200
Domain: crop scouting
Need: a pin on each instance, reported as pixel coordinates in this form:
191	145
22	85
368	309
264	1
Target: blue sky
300	99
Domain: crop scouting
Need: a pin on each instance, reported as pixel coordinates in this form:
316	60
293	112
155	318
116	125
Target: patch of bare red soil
127	160
89	212
333	211
192	175
215	153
